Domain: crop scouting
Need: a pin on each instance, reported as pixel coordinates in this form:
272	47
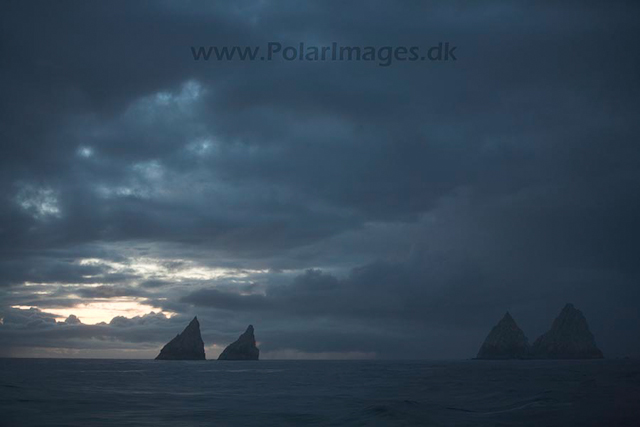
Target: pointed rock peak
505	341
187	345
570	315
568	338
507	318
193	326
244	348
508	322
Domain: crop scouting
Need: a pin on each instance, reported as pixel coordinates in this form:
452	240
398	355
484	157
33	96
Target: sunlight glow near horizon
102	310
91	310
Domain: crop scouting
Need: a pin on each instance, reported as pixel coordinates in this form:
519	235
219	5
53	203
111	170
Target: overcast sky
346	209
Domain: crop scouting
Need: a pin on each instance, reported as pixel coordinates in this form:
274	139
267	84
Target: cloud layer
343	208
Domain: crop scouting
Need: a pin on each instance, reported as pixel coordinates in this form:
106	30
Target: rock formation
185	346
505	341
244	348
568	338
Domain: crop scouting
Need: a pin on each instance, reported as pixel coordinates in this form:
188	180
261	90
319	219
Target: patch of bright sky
171	269
96	310
39	202
85	152
151	170
147	181
189	92
122	191
202	146
45	285
164	102
102	310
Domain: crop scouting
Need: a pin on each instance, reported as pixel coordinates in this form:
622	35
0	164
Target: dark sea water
50	392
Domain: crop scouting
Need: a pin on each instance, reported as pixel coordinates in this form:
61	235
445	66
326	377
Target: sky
346	209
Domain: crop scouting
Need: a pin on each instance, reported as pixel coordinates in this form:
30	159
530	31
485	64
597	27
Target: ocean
64	392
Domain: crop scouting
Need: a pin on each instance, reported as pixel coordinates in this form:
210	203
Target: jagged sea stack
505	341
568	338
185	346
244	348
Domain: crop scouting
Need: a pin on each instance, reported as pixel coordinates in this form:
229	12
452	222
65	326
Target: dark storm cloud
154	283
432	196
109	292
51	269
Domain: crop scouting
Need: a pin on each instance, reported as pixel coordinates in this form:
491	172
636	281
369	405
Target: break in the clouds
343	208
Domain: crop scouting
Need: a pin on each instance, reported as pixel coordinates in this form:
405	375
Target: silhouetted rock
185	346
505	341
244	348
568	338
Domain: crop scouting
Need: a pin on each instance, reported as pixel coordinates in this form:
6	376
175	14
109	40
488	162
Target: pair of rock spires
188	345
568	338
